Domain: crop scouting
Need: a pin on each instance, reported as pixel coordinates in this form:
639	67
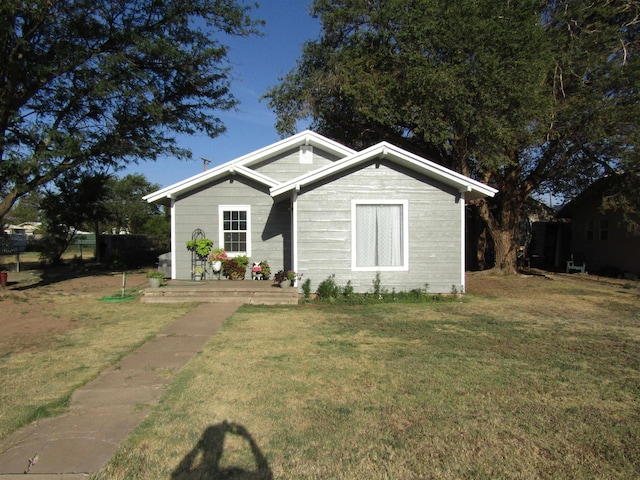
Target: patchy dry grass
524	378
41	366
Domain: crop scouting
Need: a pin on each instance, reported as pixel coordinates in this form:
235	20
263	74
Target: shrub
328	288
306	289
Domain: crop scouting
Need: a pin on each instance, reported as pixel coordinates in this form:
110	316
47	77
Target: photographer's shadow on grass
203	461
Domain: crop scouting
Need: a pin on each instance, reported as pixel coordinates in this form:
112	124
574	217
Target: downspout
463	243
294	234
173	240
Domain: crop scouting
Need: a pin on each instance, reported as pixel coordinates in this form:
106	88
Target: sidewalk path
104	412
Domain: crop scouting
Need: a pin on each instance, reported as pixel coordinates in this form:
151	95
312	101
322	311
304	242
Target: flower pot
216	266
155	282
197	277
236	275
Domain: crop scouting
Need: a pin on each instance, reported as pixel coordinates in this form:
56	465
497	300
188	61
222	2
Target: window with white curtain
380	235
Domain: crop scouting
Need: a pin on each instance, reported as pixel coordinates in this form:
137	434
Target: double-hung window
235	229
380	235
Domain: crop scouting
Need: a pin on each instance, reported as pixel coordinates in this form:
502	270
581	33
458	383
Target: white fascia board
306	137
400	156
446	175
187	184
253	175
210	175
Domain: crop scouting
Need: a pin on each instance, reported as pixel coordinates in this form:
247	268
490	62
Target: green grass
538	380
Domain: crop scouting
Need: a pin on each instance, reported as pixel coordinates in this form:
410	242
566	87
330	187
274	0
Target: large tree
126	211
526	95
75	202
92	83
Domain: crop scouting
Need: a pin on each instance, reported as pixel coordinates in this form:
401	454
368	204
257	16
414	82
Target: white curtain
378	235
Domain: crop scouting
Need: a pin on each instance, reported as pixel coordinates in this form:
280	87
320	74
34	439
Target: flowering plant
217	255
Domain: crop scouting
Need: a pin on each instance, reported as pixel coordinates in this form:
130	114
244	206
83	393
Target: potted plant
155	278
198	272
217	257
285	278
235	268
202	247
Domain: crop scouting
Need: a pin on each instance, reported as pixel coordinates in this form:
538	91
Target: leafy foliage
527	96
75	204
235	267
126	211
100	84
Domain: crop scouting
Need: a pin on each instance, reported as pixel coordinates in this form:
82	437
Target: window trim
405	235
237	208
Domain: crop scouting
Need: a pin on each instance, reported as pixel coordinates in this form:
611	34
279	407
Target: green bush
328	288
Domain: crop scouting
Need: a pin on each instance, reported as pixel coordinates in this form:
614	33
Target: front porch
263	292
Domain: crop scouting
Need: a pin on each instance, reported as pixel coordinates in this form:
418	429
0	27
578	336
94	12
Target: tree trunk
502	218
505	250
7	202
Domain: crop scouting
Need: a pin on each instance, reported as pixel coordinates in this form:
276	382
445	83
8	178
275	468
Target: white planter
216	266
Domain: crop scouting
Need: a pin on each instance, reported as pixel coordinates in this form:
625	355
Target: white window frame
405	236
234	208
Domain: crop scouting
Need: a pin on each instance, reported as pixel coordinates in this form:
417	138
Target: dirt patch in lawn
27	320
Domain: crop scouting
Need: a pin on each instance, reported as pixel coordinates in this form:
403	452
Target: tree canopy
90	84
126	211
526	95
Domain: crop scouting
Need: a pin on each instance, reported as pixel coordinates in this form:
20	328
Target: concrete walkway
104	412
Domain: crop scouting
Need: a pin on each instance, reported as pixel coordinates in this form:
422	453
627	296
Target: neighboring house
23	234
309	204
599	237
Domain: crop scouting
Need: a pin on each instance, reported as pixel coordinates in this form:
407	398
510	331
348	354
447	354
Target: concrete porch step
221	291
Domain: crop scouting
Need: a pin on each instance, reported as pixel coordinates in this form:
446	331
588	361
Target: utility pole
205	162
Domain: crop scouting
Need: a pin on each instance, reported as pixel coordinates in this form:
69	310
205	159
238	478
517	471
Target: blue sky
257	63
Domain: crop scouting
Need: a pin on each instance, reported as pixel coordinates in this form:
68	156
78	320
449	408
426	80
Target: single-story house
599	237
312	205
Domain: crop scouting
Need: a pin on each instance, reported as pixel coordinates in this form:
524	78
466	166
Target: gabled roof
472	188
241	165
348	159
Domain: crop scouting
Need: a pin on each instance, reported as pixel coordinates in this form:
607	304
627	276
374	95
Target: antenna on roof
205	162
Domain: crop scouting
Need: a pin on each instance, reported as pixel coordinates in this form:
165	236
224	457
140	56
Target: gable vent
306	154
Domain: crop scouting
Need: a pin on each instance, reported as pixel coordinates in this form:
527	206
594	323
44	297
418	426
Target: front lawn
523	378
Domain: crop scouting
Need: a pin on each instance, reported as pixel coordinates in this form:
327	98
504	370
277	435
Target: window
235	229
380	235
590	230
603	233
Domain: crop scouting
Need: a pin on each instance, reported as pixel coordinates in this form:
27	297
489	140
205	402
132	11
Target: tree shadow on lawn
203	461
52	274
